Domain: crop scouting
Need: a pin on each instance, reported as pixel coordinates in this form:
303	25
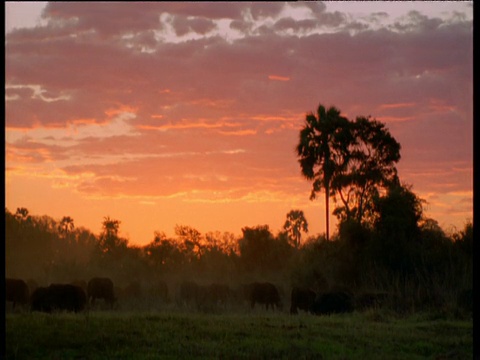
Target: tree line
383	241
401	254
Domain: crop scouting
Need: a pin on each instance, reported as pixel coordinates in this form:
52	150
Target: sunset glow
159	113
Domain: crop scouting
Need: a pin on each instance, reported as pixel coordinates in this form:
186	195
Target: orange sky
158	114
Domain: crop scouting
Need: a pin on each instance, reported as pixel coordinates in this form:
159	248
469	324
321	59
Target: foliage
312	266
401	252
353	161
260	251
36	247
353	238
322	147
370	167
384	243
221	242
66	226
190	240
294	225
397	232
109	241
464	239
162	253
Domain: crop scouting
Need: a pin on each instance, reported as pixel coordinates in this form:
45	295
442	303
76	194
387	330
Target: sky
160	114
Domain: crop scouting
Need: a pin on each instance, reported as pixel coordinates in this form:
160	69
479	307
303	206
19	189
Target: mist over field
394	309
432	272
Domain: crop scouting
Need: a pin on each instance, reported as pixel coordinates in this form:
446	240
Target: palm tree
66	225
294	224
109	240
322	150
22	214
110	226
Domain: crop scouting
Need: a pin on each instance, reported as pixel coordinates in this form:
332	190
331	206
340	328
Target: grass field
251	335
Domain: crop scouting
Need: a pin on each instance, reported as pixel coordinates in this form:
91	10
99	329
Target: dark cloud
356	26
295	25
117	19
261	10
316	7
212	10
241	26
183	25
376	16
415	21
126	17
392	66
106	18
334	19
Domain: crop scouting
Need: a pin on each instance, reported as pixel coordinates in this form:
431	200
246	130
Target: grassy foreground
255	335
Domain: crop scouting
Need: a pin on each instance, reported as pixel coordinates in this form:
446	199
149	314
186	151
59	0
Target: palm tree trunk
327	210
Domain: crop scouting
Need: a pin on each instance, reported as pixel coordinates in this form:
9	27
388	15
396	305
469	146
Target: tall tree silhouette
66	226
294	225
109	239
322	150
369	168
110	226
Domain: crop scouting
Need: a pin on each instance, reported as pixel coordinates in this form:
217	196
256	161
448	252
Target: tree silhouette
163	252
255	246
261	251
109	240
397	227
369	168
321	150
353	160
110	226
225	242
294	225
66	226
191	240
22	214
403	253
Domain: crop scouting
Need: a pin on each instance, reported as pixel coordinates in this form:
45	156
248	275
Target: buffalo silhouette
32	285
101	288
80	283
368	300
332	302
263	293
301	298
16	291
58	297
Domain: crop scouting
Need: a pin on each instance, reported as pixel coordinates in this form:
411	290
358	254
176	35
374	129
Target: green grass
251	335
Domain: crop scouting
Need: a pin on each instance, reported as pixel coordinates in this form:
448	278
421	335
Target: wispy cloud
398	105
278	78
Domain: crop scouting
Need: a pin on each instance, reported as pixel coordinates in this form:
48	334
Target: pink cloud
396	106
278	78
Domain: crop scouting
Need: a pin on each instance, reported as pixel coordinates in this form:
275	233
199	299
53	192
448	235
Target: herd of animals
79	296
